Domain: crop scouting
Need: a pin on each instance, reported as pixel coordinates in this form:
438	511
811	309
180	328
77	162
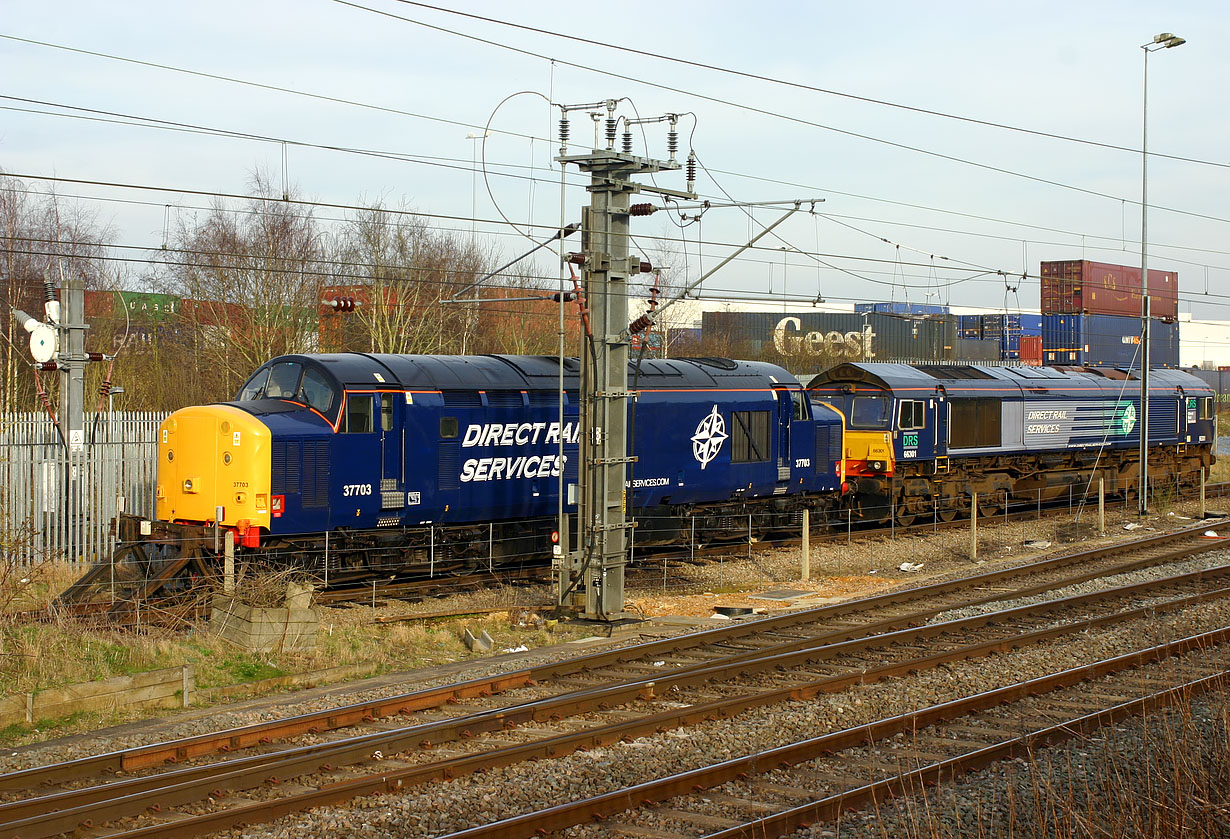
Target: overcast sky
965	198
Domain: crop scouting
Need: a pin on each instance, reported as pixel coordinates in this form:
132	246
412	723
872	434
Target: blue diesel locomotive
445	462
922	439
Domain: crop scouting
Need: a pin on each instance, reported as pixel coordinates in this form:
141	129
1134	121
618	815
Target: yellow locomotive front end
211	457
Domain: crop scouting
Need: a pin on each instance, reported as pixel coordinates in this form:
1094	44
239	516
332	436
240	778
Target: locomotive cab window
386	412
315	391
749	436
910	415
1206	407
798	405
871	412
283	380
358	417
255	386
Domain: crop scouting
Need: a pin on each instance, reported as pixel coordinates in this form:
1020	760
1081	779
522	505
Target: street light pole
1166	40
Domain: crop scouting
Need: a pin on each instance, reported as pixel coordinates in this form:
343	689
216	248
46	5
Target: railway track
252	774
815	780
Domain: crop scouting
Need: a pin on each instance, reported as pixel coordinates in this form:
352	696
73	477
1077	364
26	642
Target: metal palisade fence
57	504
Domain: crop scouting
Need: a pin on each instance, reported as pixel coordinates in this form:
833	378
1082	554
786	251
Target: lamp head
1166	40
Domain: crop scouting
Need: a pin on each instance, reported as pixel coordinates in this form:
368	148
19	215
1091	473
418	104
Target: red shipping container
1031	350
1078	286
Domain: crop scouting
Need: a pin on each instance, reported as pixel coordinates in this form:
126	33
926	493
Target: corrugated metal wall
58	505
840	336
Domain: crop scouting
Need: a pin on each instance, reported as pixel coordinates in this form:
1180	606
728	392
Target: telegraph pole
596	566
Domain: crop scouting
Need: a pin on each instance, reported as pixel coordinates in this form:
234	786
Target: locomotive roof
520	372
976	379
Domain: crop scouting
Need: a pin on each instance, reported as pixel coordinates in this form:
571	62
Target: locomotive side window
1206	407
910	415
798	404
283	380
975	422
315	391
386	412
871	412
749	436
255	387
358	414
448	428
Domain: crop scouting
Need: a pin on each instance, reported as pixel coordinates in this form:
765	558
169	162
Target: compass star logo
1127	420
709	437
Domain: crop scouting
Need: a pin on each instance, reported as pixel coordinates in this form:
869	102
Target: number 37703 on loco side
411	461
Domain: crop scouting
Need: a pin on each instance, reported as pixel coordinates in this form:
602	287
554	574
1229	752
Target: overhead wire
674	59
765	111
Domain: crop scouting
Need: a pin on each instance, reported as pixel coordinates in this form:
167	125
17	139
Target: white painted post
1101	506
1202	492
805	558
187	679
973	529
228	565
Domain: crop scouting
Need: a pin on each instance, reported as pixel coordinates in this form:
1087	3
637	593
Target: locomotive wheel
948	513
905	515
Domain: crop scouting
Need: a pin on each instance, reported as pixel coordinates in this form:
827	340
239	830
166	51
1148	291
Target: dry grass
1173	781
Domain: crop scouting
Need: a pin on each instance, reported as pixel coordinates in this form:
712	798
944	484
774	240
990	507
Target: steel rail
63	812
600	807
258	734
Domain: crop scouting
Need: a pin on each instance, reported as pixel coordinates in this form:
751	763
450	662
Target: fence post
973	529
1202	513
228	566
1101	506
805	559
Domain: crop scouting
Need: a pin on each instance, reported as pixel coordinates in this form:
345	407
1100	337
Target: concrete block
256	628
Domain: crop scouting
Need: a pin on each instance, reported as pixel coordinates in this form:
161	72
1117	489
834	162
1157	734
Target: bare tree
401	269
42	237
253	278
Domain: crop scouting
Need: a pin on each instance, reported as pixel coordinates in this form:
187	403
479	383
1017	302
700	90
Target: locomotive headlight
876	465
190	484
226	458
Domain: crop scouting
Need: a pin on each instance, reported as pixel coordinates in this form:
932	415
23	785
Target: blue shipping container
1106	341
901	308
1008	329
969	326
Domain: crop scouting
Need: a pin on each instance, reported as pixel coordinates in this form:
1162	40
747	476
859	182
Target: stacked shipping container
1078	286
1007	330
1091	315
1107	341
901	308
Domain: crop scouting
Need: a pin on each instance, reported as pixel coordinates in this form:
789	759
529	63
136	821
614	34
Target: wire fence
57	504
705	551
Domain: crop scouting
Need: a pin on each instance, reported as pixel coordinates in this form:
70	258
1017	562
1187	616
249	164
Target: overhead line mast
593	569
